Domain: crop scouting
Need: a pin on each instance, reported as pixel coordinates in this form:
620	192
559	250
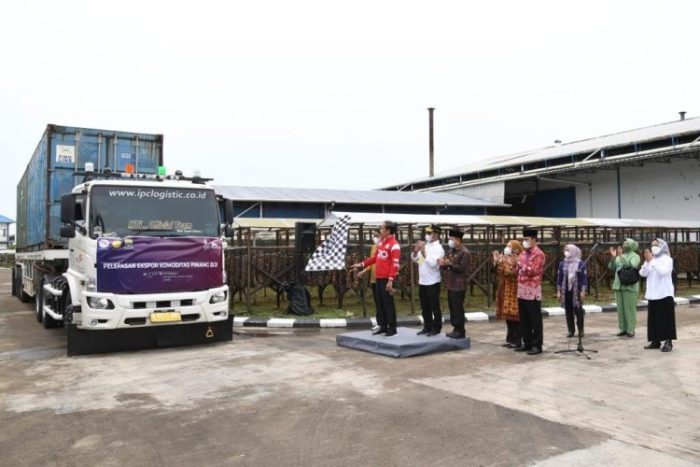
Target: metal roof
6	220
373	197
269	223
448	219
591	146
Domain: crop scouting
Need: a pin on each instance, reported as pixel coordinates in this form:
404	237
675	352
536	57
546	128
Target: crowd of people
519	271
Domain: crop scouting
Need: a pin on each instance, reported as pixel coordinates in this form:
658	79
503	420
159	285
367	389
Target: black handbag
628	275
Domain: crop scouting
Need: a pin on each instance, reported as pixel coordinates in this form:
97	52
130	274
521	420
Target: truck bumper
81	341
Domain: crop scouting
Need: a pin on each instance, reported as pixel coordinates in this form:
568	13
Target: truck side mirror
228	231
68	209
228	211
67	231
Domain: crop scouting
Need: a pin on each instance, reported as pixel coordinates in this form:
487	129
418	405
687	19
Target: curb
470	317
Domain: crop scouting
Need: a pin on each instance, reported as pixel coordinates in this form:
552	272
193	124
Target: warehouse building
310	203
651	172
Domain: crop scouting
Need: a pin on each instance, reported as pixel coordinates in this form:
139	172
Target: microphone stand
579	348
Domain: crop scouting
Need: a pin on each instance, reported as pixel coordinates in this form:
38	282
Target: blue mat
406	343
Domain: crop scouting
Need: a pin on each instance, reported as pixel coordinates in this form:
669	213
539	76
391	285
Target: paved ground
294	398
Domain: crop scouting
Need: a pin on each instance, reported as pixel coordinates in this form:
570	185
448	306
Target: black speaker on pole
304	237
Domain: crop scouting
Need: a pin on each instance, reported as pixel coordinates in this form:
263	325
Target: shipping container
56	167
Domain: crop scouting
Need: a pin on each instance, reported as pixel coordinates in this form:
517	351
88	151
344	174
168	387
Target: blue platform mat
406	343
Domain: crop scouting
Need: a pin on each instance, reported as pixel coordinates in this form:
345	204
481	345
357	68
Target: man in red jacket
386	261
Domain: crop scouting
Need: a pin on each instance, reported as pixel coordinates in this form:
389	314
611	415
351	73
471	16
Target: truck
121	254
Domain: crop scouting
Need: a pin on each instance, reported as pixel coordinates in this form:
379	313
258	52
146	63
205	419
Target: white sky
334	94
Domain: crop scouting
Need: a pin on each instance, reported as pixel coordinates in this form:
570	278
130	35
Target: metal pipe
431	146
619	195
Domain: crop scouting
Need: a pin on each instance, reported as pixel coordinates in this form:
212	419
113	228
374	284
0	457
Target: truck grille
163	304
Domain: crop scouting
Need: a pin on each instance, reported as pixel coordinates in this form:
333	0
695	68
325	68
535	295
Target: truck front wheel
39	302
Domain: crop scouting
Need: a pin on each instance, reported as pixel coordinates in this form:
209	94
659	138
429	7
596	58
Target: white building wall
488	191
654	190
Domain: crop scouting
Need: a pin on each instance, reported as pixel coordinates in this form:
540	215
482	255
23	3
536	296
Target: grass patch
264	303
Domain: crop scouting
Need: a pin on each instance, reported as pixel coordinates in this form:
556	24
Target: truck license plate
165	316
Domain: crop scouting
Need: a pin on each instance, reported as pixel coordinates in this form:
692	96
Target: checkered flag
330	255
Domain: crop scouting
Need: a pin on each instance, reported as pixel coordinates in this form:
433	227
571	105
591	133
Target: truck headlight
219	297
100	303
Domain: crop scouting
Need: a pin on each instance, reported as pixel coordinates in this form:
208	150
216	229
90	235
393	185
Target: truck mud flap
82	342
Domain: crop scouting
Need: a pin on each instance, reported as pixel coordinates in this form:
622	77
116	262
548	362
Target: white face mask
428	237
566	254
375	240
507	251
451	243
526	244
655	250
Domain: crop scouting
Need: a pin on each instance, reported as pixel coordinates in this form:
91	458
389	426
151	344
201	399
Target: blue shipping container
51	173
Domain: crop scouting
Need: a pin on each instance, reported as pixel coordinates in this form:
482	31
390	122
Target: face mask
375	240
655	250
507	251
526	244
428	237
566	254
451	243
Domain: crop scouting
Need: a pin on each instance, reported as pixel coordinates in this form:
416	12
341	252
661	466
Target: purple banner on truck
140	265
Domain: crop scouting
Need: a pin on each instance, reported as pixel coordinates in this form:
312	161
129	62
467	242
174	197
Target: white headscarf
664	247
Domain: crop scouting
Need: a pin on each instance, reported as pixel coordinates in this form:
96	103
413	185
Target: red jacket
386	259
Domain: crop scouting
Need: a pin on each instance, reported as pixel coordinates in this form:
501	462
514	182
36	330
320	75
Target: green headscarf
629	245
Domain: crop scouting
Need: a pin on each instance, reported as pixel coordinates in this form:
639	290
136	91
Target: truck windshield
153	211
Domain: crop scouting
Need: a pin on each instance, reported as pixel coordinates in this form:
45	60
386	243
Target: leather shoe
456	335
391	333
507	345
630	334
535	351
378	331
667	347
520	348
653	345
434	332
423	331
621	333
570	334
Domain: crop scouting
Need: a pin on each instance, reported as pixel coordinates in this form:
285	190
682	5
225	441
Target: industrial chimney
431	147
682	114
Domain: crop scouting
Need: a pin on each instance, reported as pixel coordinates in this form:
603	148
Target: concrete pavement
292	397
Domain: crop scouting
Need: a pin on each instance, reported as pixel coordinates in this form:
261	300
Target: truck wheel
39	303
14	282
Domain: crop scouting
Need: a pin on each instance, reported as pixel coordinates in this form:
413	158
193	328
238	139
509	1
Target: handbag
628	275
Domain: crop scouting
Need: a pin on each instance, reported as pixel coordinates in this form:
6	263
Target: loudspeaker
304	237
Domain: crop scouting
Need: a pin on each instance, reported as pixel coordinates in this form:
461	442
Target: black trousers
430	305
455	300
571	311
513	332
386	310
661	319
531	322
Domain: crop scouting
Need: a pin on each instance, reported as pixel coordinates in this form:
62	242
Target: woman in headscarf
661	314
506	265
572	282
625	295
